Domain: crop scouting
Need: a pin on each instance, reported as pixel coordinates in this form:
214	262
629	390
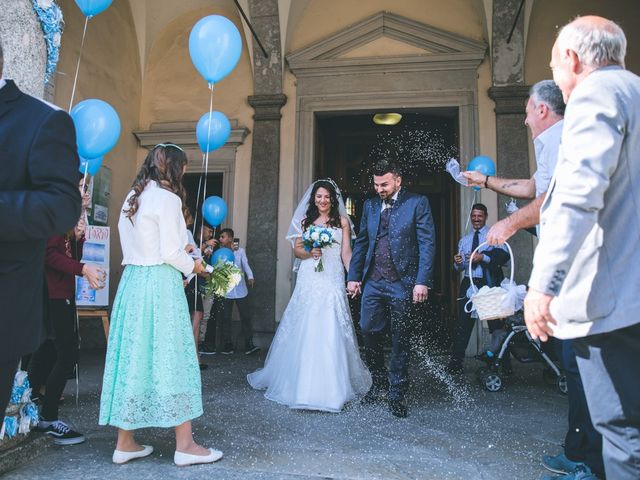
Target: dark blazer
39	198
412	236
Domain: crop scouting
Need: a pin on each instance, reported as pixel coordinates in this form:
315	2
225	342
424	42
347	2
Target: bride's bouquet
223	277
317	237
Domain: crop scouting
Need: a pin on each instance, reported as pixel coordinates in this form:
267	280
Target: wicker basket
489	305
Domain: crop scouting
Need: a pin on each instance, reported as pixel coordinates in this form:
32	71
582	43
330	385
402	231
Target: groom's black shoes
398	408
374	395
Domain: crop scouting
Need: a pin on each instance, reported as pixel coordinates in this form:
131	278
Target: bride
313	362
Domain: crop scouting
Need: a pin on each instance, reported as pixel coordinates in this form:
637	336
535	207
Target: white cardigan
158	232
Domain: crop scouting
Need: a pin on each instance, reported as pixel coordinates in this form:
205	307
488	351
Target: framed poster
95	250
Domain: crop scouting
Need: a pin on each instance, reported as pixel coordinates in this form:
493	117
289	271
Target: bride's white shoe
121	457
183	459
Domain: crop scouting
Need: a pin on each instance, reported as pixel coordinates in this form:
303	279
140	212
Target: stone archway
428	67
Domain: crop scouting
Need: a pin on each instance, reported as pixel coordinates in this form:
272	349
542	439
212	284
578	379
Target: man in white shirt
544	114
237	296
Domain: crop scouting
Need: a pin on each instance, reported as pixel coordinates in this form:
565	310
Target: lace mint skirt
151	374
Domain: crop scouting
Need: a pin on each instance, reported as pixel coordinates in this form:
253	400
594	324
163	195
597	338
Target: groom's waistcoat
383	266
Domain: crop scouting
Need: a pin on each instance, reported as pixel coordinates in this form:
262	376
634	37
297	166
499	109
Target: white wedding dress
313	362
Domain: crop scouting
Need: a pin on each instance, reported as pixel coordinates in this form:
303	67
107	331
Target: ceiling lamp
387	118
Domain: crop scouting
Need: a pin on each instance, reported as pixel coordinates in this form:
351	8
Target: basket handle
475	289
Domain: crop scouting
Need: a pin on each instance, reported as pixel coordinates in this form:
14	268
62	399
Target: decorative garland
52	23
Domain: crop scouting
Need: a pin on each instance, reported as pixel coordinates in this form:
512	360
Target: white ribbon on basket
514	297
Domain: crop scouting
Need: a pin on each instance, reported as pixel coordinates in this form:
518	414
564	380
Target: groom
393	260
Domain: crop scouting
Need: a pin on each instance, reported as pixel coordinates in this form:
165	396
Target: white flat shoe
184	459
121	457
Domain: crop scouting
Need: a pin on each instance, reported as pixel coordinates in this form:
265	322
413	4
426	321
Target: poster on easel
95	250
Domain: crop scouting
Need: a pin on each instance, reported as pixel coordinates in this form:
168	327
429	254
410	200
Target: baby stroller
518	342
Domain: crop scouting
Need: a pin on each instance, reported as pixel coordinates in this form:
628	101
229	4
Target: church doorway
346	145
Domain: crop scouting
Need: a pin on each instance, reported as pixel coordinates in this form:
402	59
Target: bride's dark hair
312	209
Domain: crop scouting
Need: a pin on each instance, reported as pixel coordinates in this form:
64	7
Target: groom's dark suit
39	198
393	253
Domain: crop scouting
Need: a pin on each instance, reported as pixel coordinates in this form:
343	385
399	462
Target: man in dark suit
393	259
486	267
39	198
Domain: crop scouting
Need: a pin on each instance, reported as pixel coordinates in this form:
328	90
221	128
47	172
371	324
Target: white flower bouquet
317	237
223	277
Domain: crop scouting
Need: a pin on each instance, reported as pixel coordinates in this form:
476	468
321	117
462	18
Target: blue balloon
214	134
482	164
223	253
91	165
97	127
93	7
215	46
214	209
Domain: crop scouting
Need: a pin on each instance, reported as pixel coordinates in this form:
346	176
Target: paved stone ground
455	430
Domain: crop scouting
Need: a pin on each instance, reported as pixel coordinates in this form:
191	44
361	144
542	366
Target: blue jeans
385	306
608	365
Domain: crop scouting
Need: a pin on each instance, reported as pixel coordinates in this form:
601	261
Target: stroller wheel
491	381
562	384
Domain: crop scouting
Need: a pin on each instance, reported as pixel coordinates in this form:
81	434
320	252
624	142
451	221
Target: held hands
316	253
420	293
537	314
354	289
94	275
476	179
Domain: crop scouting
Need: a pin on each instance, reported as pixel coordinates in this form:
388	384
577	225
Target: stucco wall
110	71
174	91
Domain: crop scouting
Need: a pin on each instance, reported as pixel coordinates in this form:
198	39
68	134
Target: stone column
510	94
25	51
262	236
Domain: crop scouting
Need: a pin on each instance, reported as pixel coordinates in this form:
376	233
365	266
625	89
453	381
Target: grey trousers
608	365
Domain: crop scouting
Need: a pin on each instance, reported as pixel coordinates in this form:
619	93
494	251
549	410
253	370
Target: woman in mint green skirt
151	375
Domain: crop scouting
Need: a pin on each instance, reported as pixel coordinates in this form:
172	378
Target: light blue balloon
97	127
214	209
91	165
213	137
482	164
223	253
93	7
215	46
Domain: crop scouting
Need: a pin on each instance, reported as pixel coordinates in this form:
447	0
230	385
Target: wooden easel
94	312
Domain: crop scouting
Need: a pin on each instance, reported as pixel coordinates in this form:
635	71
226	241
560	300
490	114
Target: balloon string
195	219
206	156
75	78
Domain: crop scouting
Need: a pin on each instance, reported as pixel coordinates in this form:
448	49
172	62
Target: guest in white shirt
238	296
151	375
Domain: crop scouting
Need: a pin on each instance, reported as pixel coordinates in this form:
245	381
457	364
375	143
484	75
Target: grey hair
547	92
596	46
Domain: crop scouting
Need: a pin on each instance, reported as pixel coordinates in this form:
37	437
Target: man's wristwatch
486	181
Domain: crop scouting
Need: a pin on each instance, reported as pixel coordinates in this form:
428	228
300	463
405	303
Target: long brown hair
165	165
312	209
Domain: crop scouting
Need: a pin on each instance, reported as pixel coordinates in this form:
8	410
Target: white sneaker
183	459
121	457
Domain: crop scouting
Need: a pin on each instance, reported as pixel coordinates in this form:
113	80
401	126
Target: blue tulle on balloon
215	46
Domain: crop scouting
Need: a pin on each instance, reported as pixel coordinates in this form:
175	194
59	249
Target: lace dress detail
151	375
313	362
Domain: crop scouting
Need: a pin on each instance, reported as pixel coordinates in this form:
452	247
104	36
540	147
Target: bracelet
486	181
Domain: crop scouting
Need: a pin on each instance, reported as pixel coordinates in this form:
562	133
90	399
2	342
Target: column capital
267	107
510	99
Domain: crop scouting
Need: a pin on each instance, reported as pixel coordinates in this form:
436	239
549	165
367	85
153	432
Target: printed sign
95	250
